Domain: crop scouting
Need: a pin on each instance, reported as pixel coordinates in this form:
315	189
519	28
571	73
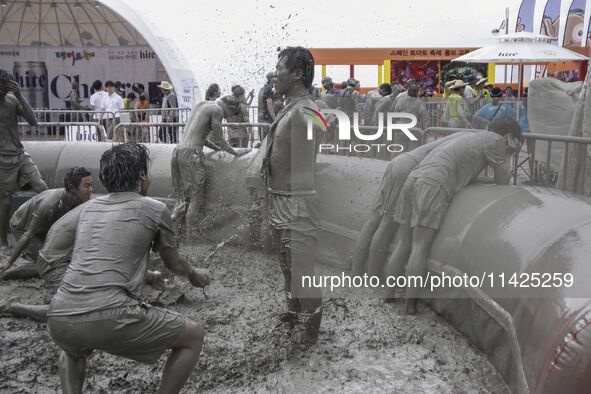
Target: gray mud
364	345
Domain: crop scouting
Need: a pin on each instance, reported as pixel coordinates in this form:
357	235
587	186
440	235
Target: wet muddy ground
364	345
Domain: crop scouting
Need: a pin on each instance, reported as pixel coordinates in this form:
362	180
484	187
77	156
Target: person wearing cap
454	114
498	110
471	96
169	113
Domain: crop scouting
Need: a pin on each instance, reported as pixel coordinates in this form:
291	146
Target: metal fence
155	132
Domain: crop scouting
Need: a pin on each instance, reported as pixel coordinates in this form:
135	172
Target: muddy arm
180	266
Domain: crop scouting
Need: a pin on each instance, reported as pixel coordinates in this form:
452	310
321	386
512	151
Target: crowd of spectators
461	101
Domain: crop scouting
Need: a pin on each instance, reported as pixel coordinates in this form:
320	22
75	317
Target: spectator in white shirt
112	103
96	101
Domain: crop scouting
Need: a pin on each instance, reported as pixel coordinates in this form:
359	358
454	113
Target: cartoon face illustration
519	26
573	34
550	27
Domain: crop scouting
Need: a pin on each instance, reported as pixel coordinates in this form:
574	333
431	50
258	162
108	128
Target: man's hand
158	281
251	93
199	278
513	145
14	88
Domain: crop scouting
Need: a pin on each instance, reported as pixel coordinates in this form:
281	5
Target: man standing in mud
288	169
187	167
16	167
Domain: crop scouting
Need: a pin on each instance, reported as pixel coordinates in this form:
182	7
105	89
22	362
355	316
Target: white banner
45	74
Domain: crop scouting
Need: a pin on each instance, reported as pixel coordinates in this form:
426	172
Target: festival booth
393	64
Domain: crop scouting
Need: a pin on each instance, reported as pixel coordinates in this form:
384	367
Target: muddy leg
35	312
4	213
399	258
361	252
422	238
379	246
72	373
182	360
25	271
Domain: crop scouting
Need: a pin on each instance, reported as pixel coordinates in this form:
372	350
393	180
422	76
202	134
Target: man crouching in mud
288	169
187	163
99	303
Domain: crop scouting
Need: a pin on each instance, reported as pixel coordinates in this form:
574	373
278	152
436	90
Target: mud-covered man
99	305
32	221
16	167
293	203
187	163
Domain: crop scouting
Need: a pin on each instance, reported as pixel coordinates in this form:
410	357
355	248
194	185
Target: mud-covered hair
74	176
211	91
505	125
5	76
299	58
122	167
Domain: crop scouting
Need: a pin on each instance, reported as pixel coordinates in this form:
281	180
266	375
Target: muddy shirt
109	261
418	154
59	243
415	106
458	162
10	144
47	207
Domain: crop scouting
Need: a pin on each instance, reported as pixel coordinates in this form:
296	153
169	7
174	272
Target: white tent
521	48
89	23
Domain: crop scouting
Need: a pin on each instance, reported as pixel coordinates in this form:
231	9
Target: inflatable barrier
539	345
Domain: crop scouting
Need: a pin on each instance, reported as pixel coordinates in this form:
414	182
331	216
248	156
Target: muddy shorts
391	185
139	332
421	204
16	172
295	215
188	172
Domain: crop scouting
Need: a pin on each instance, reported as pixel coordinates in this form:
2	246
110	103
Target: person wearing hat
486	96
447	86
454	114
471	96
480	90
169	113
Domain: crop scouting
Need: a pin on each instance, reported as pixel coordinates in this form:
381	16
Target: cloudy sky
235	41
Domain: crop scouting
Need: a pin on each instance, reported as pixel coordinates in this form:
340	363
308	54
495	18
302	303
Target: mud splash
364	345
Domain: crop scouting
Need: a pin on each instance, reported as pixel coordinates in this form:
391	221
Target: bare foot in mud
6	306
